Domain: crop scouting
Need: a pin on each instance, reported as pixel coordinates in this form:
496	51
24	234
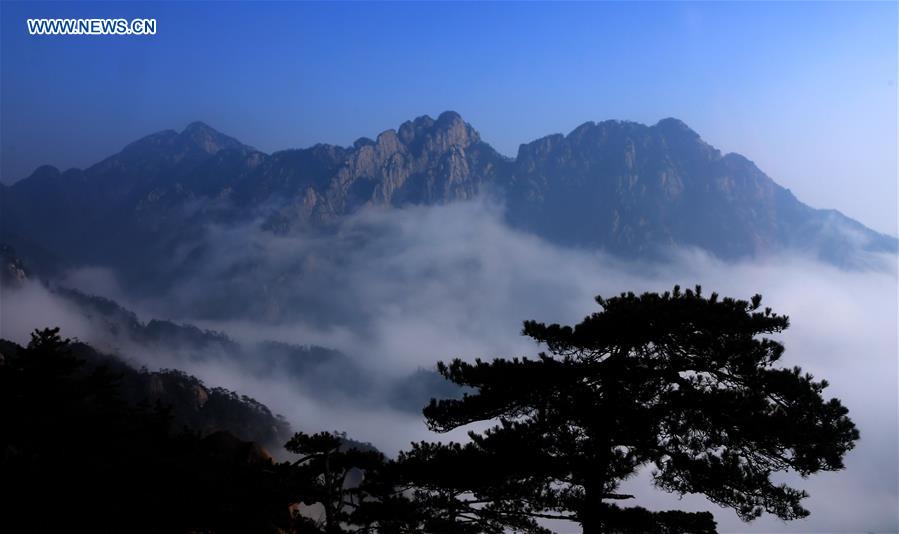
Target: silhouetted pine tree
677	381
331	472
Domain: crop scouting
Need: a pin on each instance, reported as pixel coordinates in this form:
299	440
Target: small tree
676	381
323	474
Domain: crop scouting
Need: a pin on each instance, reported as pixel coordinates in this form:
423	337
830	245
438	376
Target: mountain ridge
621	186
444	117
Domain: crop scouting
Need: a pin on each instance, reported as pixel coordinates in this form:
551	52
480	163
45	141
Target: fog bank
402	289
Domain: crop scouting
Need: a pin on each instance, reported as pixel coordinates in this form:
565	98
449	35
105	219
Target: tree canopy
685	384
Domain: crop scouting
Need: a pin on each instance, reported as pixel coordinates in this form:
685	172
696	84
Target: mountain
627	188
313	370
631	189
191	404
109	436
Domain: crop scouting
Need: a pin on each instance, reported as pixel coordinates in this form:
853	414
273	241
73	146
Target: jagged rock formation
426	161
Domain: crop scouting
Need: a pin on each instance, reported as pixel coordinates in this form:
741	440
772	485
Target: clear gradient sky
806	90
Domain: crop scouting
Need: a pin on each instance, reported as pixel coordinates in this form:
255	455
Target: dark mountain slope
189	402
631	189
130	451
97	213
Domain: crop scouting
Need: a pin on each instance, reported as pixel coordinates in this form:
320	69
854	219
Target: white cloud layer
402	289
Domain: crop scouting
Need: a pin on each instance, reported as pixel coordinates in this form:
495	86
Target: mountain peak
448	130
672	125
46	172
200	127
449	117
582	129
208	139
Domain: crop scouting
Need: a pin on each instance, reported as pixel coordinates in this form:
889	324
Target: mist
399	290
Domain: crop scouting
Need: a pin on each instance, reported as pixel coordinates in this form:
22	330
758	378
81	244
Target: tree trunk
592	512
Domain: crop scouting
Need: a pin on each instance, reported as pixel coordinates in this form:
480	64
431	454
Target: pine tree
683	383
324	474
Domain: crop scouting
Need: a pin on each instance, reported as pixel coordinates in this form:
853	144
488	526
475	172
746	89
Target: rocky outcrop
426	161
12	270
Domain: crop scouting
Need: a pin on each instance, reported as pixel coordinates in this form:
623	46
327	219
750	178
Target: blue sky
806	90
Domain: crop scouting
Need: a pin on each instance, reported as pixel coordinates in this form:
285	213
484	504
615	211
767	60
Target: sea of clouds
399	290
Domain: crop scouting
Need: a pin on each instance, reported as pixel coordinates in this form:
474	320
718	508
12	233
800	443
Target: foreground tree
677	381
331	471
